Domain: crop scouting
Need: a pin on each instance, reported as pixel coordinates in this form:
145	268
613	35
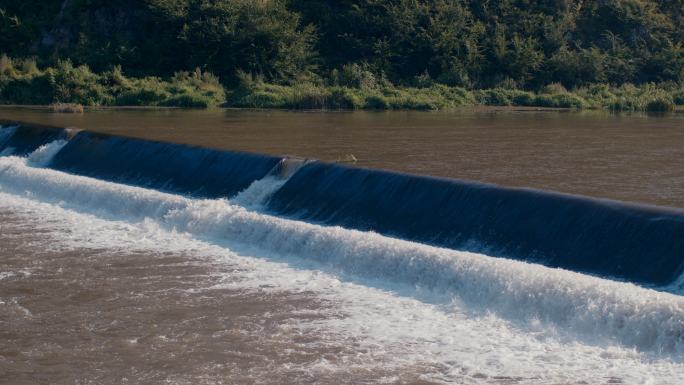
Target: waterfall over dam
161	246
624	241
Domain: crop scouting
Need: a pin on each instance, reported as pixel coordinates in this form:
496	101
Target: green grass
22	82
628	97
254	93
67	108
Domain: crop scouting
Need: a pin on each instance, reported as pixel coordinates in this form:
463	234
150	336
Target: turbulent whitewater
432	301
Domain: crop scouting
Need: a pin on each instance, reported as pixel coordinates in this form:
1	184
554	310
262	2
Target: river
631	157
125	262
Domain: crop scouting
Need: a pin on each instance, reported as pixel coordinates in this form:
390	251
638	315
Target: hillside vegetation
618	54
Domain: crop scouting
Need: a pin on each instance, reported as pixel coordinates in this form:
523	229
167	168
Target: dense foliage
160	37
22	82
359	48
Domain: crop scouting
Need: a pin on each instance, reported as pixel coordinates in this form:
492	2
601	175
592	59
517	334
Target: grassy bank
361	94
22	82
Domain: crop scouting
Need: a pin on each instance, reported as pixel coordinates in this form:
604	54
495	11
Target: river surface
106	282
631	157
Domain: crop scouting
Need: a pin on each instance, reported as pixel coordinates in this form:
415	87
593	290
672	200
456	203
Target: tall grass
257	94
628	97
22	82
67	108
353	87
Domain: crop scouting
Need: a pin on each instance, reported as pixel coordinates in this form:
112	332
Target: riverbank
23	83
649	97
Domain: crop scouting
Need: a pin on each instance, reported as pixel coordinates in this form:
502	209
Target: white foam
7	274
383	330
10	274
602	311
258	193
43	155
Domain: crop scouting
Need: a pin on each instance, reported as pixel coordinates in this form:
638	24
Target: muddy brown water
102	316
631	157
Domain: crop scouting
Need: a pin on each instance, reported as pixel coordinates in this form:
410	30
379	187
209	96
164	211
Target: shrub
678	98
143	92
252	92
423	80
260	99
454	96
493	97
78	85
376	102
508	83
21	81
660	103
344	98
69	108
28	67
355	76
523	98
7	66
623	103
415	102
564	100
307	97
554	88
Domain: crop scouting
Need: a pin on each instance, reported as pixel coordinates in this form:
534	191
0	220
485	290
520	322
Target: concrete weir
637	243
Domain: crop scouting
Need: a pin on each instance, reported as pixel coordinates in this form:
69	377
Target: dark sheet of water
627	157
638	243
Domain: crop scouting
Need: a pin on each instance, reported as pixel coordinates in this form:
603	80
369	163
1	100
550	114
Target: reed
67	108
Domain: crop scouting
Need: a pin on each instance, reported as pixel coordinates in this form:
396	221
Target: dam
603	273
635	243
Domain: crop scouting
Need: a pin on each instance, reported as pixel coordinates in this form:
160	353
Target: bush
493	97
307	97
6	66
554	88
564	100
22	82
423	80
415	102
68	108
376	102
508	83
28	90
143	92
344	98
78	85
455	96
660	104
623	103
261	99
524	98
252	92
355	76
678	98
